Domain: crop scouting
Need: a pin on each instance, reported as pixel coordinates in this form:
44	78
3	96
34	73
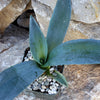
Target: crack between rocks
29	3
5	49
84	22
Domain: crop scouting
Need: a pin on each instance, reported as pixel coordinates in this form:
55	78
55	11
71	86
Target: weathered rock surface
84	82
50	3
12	46
11	12
13	55
4	3
87	11
23	20
78	30
43	13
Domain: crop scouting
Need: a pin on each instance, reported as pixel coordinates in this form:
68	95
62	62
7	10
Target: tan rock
11	12
78	30
82	80
4	3
73	33
87	11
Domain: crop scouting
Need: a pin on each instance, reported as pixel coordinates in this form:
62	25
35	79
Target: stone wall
84	12
84	80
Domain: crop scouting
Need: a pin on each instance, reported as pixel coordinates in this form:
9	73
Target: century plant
49	51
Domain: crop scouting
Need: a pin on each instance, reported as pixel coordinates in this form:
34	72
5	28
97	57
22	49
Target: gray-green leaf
16	78
59	78
38	43
82	51
59	23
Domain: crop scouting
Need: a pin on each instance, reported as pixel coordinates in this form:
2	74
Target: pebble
51	70
46	83
43	87
42	90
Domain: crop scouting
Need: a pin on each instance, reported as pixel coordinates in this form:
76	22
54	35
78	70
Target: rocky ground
83	80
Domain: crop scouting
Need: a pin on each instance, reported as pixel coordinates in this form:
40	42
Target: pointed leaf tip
38	43
59	23
59	78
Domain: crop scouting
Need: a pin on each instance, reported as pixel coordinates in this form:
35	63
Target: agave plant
49	51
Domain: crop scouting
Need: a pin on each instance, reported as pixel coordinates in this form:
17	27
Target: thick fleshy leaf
16	78
82	51
38	43
59	78
59	23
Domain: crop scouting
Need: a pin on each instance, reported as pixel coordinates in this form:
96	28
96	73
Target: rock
13	55
83	82
95	93
11	12
87	11
4	3
3	47
13	34
79	30
50	3
25	96
74	33
82	10
23	20
43	13
12	45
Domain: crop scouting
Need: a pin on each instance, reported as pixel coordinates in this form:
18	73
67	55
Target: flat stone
87	11
13	55
82	80
78	30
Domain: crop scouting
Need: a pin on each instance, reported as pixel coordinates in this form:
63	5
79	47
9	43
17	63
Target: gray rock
4	3
13	55
11	52
13	34
43	13
78	30
23	20
87	11
3	47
